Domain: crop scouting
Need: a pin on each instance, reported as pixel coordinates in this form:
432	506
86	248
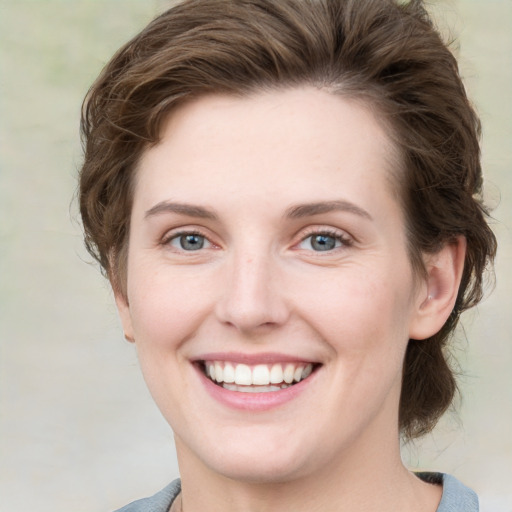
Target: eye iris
192	242
323	242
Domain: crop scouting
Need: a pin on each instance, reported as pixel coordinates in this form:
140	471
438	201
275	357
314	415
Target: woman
285	198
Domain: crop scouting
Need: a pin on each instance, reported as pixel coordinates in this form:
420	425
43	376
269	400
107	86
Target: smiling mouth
259	378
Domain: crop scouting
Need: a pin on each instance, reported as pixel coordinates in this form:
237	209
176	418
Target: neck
363	479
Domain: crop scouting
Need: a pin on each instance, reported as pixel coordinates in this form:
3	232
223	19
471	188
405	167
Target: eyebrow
182	209
307	210
294	212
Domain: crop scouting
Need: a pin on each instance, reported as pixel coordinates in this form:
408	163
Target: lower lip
254	401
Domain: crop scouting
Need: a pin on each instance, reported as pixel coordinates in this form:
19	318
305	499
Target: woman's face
267	244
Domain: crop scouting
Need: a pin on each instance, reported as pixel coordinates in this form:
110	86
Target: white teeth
260	378
243	375
297	375
253	389
219	377
276	374
288	373
261	375
307	370
229	373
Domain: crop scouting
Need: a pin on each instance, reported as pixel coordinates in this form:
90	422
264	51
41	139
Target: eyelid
324	230
339	234
172	234
346	239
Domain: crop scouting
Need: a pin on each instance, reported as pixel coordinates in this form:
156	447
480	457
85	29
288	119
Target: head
381	54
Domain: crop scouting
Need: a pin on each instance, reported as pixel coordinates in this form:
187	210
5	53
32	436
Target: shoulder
456	496
160	502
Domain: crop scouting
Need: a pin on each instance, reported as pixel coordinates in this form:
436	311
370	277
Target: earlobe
123	309
437	298
120	292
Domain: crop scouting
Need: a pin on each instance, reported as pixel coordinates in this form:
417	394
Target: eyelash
166	241
338	236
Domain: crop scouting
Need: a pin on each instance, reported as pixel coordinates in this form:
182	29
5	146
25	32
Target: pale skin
296	248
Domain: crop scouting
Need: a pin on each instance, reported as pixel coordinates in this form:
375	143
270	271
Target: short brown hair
384	52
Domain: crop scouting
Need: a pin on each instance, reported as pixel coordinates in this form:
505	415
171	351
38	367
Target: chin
260	470
254	457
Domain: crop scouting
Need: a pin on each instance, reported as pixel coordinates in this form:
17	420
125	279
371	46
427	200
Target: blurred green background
78	430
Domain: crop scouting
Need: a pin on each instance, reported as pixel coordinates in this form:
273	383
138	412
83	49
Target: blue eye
322	242
189	242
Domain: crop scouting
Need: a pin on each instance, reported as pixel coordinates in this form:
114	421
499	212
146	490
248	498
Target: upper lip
252	359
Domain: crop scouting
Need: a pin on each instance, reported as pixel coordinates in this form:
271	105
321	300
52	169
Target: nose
252	299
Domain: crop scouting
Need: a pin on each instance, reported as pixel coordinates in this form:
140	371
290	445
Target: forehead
306	141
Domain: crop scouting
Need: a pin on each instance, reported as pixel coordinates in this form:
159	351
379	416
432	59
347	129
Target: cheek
364	323
356	308
166	307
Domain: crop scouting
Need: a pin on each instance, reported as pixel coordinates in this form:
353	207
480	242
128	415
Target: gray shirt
456	496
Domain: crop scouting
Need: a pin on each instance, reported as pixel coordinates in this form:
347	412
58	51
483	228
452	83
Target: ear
123	308
119	288
436	297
